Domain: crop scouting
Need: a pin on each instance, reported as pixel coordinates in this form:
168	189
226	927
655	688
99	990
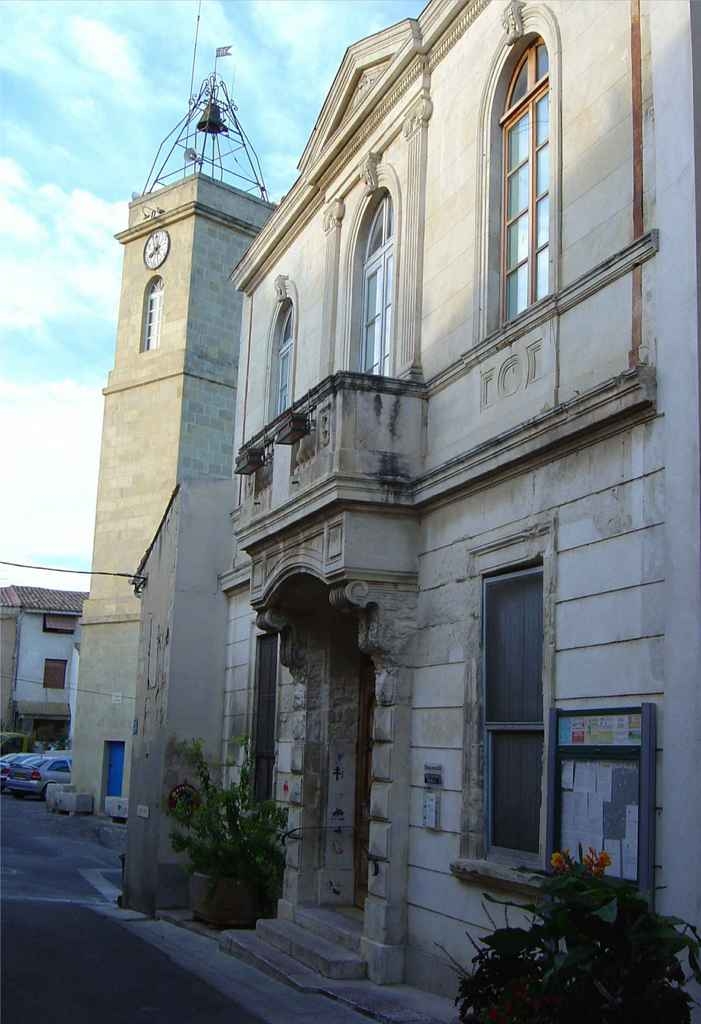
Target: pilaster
332	220
415	132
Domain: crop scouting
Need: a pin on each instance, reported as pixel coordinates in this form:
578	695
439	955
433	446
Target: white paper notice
613	848
604	779
595	813
632	823
585	777
568	813
629	850
567	779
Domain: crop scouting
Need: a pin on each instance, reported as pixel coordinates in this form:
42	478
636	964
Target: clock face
156	249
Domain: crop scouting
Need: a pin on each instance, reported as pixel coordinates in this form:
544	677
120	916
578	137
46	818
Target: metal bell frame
209	140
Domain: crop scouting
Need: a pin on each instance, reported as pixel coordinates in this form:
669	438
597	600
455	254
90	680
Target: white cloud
103	50
58	259
51	440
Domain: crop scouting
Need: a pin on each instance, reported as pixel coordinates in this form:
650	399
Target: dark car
30	778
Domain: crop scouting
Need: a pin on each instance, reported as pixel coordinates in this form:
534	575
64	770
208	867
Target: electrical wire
77	572
73	689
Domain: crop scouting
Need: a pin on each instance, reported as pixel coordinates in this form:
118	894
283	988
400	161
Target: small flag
223	51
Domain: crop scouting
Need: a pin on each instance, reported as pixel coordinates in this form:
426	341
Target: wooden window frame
379	263
284	348
491	728
55	661
535	90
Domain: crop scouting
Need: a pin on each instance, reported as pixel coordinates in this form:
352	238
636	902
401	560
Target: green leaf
607	913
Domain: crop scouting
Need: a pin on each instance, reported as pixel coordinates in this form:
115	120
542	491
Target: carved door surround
385	618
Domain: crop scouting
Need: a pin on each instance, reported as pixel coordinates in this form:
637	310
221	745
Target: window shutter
514	708
54	674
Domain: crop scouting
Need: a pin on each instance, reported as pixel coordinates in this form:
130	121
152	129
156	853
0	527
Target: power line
81	572
76	689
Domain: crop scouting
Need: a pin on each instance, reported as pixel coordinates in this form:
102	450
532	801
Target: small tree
225	832
594	952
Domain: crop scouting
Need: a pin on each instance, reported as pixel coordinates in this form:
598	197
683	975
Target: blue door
115	767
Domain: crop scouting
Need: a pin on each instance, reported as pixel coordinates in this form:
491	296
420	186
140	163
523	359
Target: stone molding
280	286
368	172
512	21
333	215
418	116
190	209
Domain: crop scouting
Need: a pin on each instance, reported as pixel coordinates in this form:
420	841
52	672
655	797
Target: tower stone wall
169	416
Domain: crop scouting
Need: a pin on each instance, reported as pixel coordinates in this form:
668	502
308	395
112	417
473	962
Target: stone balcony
353	438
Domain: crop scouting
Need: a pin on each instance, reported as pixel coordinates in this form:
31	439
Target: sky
88	90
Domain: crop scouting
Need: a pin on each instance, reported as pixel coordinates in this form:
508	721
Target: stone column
415	133
299	728
386	622
333	218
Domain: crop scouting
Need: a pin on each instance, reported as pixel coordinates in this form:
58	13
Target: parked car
30	778
6	762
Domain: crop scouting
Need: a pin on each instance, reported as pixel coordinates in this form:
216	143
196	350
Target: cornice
193	208
234	578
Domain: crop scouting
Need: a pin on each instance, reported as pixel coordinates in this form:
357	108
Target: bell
211	120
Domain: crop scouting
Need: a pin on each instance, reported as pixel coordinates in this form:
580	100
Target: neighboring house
39	650
467	427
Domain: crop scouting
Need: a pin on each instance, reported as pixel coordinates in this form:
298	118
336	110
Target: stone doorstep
319	954
389	1004
331	925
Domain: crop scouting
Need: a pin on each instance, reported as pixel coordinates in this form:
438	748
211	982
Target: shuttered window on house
266	676
513	669
54	673
59	623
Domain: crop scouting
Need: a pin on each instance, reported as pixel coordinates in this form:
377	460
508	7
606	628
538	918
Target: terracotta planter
231	904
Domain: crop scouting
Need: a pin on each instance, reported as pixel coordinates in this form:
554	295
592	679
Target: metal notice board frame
588	745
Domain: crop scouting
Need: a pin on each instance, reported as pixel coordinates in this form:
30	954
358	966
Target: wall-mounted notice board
601	783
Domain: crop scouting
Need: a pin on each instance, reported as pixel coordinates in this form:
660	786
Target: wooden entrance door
361	830
266	678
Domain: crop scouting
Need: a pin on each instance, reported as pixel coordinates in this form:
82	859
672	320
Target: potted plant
234	844
594	951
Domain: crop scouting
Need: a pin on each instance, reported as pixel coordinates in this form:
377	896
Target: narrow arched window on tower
285	353
526	204
377	292
153	315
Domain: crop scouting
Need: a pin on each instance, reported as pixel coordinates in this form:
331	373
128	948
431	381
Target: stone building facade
169	416
468	460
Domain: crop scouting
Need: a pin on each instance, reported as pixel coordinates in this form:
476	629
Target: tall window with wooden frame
526	198
283	359
55	673
378	278
513	682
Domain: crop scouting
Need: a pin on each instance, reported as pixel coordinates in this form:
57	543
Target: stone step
249	947
327	958
331	925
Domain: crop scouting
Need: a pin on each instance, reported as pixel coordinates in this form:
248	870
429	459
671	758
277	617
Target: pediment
365	66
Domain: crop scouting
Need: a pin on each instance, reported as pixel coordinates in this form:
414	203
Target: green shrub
226	832
595	953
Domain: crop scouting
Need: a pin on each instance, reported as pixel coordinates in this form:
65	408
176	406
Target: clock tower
168	416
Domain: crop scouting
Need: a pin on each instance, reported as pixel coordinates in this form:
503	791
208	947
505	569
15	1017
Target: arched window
526	202
153	315
377	292
284	353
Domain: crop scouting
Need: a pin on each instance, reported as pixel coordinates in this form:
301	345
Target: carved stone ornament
333	215
418	116
512	21
281	287
368	173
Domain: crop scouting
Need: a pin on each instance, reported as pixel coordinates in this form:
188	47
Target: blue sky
88	91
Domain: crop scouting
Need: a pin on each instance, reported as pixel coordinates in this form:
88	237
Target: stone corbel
512	20
333	215
418	116
368	173
281	291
